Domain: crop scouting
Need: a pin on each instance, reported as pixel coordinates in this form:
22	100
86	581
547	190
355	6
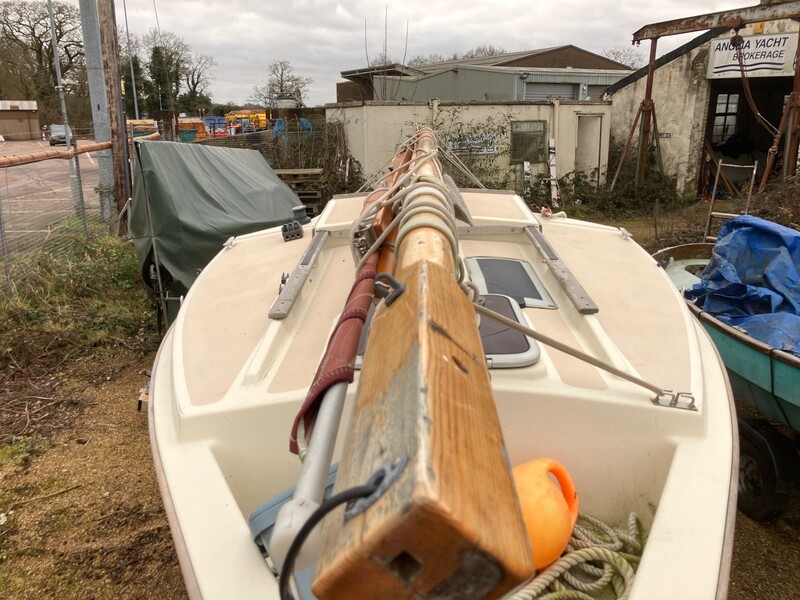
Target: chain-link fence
44	199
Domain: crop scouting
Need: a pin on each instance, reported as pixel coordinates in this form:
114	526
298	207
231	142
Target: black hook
388	287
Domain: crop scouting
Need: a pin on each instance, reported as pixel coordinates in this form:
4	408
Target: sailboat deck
627	331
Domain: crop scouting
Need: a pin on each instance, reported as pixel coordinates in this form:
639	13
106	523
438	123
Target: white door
587	148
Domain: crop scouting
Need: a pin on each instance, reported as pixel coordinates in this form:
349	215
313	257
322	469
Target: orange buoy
549	511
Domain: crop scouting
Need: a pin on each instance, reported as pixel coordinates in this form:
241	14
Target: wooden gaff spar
449	525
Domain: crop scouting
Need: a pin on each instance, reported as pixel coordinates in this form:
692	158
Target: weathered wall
680	95
375	129
20	125
490	84
349	91
458	84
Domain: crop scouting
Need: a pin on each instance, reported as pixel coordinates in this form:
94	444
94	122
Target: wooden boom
450	525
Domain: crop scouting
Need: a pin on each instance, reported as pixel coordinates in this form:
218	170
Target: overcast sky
320	38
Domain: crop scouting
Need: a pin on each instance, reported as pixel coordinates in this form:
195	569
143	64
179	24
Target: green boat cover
198	197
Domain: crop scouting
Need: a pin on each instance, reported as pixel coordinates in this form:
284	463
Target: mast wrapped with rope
326	395
444	520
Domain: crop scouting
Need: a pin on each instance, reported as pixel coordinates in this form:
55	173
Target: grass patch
75	294
17	448
73	303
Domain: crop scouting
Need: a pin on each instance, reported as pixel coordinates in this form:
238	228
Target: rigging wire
130	58
158	25
554	343
287	570
737	42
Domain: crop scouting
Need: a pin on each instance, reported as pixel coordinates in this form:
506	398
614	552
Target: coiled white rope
600	563
438	213
393	195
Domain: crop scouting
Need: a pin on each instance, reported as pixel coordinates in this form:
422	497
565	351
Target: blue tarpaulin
752	281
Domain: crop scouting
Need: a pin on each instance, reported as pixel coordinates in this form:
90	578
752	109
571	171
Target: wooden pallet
306	184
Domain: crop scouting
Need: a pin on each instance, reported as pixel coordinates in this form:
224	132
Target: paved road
35	197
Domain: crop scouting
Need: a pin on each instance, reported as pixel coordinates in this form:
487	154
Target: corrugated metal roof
596	77
18	105
487	60
388	70
398	69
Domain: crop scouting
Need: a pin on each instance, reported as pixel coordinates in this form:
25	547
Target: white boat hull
228	382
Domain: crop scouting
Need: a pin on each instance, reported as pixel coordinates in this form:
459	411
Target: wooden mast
450	524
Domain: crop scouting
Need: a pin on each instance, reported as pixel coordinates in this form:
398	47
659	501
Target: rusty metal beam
790	115
647	113
732	19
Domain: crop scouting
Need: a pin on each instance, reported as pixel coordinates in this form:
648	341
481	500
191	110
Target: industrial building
506	108
19	120
514	136
564	72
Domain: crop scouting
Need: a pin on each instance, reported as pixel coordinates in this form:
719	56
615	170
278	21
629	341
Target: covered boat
188	200
745	290
578	367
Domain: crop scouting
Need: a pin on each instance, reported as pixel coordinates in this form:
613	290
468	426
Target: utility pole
97	95
116	118
74	166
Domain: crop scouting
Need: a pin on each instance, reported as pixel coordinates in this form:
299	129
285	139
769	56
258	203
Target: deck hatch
509	277
504	347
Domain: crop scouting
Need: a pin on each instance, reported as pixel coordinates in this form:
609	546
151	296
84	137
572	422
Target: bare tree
282	80
425	59
197	79
27	50
198	74
629	56
166	57
381	60
261	95
481	51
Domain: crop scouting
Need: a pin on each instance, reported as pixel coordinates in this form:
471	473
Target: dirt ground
84	519
81	515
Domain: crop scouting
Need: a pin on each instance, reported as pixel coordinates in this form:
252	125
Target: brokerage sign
764	56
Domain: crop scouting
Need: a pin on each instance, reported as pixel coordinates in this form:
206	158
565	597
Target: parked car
58	134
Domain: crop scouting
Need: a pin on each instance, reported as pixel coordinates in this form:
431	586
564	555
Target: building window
725	117
528	142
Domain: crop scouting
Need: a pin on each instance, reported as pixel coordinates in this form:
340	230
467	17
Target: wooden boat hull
229	380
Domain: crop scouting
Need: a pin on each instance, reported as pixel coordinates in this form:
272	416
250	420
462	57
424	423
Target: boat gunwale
684	251
726	563
181	548
744	338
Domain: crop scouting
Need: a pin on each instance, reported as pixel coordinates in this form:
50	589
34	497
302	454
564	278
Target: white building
508	134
